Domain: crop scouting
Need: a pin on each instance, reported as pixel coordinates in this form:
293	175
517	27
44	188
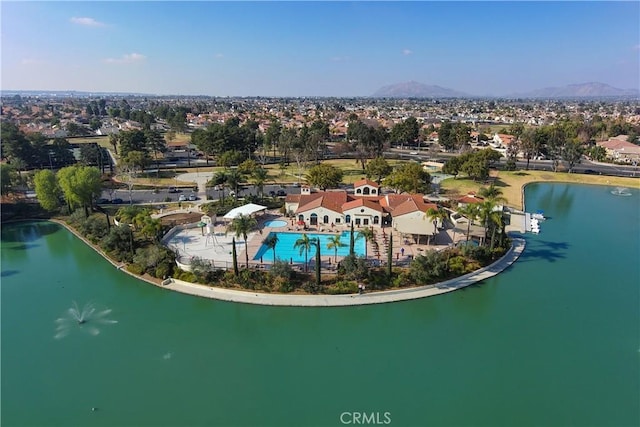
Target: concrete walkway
198	178
247	297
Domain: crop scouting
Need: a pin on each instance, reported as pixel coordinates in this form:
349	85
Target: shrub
378	280
281	269
282	284
457	265
77	218
93	227
342	287
472	266
403	279
498	252
353	268
135	269
428	268
186	276
480	253
163	271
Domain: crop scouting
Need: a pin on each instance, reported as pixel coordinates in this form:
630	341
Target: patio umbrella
201	225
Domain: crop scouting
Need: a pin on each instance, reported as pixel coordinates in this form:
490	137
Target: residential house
620	150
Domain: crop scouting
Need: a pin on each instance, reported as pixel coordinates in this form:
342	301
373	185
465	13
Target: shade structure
245	210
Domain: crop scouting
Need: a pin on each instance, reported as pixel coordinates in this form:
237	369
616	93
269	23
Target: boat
539	215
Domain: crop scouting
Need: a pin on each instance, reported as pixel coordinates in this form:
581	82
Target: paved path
199	178
343	300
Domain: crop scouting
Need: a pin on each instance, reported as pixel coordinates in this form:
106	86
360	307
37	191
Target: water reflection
7	273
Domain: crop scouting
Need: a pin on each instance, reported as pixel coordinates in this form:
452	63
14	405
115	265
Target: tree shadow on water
23	247
544	250
7	273
28	231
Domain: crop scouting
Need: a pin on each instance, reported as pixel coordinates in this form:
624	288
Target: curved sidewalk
247	297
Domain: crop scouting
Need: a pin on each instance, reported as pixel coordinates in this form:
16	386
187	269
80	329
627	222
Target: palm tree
151	228
270	242
497	221
304	243
241	225
233	179
260	175
220	179
434	215
469	211
485	210
130	214
491	192
368	234
335	244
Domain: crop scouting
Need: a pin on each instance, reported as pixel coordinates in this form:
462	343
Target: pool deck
246	297
191	242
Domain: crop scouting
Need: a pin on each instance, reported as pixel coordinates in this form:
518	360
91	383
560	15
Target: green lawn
511	183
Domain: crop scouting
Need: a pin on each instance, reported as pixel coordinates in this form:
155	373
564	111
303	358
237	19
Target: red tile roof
365	181
332	200
371	204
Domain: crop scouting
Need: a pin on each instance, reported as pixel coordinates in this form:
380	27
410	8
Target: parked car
182	198
192	197
272	193
116	201
173	190
102	201
282	193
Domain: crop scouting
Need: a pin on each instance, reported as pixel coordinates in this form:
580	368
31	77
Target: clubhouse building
365	207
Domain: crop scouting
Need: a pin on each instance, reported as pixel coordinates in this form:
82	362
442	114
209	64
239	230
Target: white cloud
31	61
87	22
407	52
219	55
126	59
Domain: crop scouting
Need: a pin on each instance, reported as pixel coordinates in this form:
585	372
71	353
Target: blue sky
316	48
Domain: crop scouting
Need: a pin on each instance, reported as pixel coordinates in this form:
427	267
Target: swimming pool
286	241
275	223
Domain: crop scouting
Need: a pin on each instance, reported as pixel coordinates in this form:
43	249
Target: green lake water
552	341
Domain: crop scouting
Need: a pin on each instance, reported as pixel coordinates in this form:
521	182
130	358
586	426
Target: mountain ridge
413	89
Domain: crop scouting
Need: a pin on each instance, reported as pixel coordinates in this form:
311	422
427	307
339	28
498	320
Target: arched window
325	219
375	219
347	219
374	191
301	218
313	219
365	191
358	191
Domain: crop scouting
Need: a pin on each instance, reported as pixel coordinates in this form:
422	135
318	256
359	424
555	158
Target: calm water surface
553	341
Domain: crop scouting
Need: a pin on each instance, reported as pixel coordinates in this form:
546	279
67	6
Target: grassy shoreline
513	183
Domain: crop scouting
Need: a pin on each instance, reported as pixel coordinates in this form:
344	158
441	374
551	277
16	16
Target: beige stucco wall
362	187
321	212
413	223
368	214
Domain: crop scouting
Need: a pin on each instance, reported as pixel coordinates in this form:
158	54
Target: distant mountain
583	90
417	90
